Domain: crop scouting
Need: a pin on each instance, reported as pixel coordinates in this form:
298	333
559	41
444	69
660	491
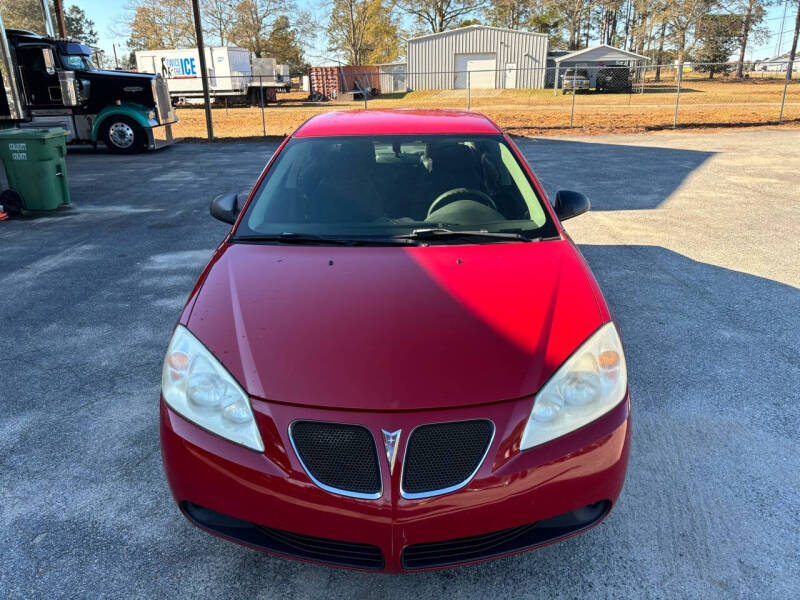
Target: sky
110	15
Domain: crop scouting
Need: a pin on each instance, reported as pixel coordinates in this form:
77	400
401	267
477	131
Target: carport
595	58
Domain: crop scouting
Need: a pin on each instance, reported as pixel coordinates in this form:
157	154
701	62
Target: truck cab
60	86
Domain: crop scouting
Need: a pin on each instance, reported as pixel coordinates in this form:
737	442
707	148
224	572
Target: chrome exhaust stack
11	105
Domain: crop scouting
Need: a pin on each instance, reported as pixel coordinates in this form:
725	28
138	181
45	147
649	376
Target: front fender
137	112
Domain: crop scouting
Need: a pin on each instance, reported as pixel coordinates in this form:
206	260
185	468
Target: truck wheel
123	135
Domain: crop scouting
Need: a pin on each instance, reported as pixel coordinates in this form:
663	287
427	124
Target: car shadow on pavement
606	173
712	424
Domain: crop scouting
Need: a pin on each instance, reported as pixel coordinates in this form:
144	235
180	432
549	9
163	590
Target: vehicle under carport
608	68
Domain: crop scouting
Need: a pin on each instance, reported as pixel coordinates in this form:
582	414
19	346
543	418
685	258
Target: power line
783	21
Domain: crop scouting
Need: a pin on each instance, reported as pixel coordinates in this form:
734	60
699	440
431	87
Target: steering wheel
461	194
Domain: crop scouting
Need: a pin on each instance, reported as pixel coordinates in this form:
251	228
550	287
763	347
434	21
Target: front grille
497	543
340	458
444	456
333	552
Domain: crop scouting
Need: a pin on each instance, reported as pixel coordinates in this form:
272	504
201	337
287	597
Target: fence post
555	81
785	85
469	93
261	93
677	96
572	111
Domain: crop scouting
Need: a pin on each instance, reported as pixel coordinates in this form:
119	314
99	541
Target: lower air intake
480	547
332	552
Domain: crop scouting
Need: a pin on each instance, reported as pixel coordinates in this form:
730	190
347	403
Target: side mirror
225	207
570	204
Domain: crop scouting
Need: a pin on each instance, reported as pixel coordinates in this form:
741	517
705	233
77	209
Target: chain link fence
523	101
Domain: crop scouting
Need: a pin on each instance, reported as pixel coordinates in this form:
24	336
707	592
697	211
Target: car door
39	80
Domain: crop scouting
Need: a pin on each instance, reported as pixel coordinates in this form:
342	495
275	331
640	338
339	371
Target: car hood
386	328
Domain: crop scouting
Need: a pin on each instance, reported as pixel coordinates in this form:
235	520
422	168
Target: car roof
397	121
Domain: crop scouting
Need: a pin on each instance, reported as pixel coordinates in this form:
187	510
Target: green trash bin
35	165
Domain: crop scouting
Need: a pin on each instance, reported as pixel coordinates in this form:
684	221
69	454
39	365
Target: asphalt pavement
695	240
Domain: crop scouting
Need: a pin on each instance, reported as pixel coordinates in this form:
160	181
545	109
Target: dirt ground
721	102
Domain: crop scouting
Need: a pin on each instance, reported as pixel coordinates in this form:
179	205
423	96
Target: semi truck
233	77
52	82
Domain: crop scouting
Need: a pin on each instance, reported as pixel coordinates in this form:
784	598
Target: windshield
577	73
79	62
386	186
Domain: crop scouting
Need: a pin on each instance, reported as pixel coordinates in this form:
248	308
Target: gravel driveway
695	239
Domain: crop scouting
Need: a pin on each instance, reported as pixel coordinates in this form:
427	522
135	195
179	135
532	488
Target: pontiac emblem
390	443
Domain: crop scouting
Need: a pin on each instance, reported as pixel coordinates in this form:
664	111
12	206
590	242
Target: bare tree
571	17
219	19
608	11
683	17
253	23
154	24
363	31
513	14
440	15
753	12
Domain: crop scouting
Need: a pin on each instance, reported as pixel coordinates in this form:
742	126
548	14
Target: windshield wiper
440	232
289	237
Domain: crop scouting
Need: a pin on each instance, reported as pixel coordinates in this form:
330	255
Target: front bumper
160	136
532	497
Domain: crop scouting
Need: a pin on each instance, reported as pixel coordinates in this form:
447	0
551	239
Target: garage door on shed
481	69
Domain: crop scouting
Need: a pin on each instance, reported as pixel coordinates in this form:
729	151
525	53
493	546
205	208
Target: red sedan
397	359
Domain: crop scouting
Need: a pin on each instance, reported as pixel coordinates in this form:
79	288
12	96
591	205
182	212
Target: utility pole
62	26
790	64
116	61
793	51
198	29
779	43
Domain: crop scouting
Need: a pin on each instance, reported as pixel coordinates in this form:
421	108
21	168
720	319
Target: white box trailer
282	77
263	67
228	67
269	74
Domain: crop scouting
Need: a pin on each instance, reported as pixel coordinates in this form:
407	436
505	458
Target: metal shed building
478	55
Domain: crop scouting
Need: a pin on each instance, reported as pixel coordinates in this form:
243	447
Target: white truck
231	78
267	72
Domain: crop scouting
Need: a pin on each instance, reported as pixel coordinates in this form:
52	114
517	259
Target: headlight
589	384
197	386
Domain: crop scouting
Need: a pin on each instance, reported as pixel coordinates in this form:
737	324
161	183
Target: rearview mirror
570	204
225	207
